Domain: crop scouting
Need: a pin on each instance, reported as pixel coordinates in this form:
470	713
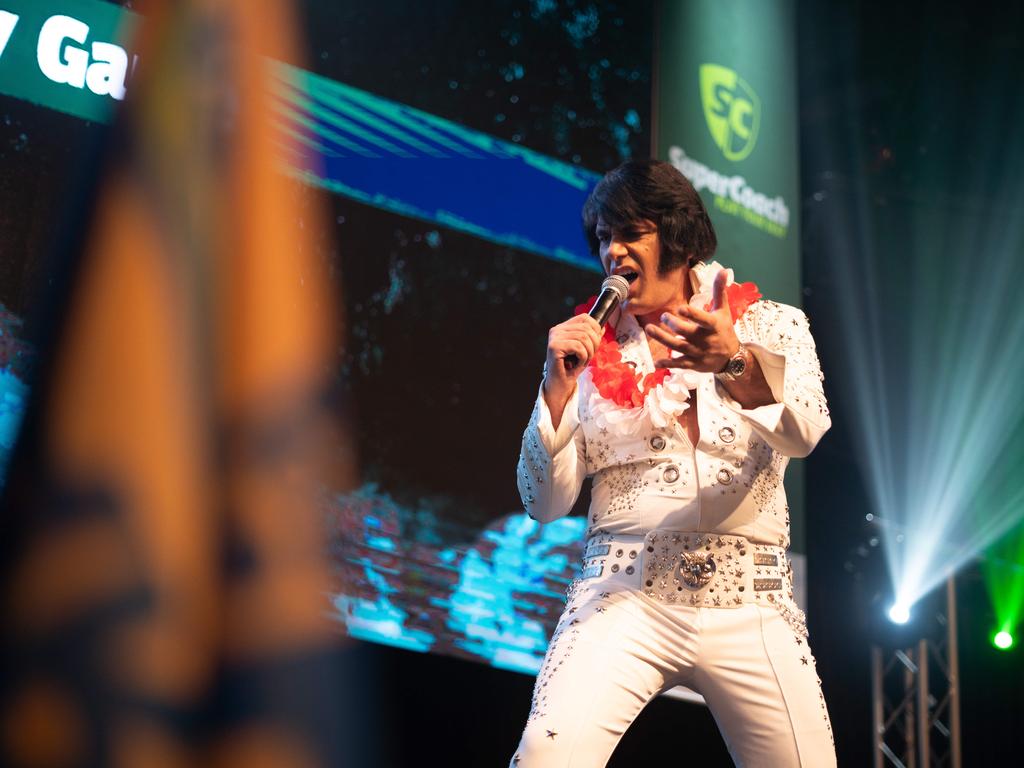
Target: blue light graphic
13	395
416	164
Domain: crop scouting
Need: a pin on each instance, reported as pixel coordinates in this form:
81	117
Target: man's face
636	250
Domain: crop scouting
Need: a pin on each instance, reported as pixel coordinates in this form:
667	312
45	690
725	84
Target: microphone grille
618	284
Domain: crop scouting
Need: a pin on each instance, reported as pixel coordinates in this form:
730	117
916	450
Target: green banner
726	111
66	54
726	116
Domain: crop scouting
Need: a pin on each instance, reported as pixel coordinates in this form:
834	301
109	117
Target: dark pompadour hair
654	190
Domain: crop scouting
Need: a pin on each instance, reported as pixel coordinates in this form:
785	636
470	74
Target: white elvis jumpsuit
685	578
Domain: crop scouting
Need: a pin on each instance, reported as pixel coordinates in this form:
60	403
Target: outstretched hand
705	340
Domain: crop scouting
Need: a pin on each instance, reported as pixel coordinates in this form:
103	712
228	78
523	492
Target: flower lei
618	381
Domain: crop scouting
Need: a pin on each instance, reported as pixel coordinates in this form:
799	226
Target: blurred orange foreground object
167	584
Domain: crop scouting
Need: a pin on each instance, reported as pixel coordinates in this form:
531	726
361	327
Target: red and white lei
622	398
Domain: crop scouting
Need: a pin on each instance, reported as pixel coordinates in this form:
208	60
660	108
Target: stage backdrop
725	114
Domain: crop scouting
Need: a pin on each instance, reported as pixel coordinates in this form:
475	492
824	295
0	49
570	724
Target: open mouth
628	274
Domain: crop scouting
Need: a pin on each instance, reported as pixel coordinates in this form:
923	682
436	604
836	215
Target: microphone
614	289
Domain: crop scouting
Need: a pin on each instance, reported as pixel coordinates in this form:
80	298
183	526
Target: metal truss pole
877	706
954	674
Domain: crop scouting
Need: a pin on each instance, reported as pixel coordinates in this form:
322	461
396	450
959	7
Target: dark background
898	106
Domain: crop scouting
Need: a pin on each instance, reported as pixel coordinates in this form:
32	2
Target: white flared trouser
615	649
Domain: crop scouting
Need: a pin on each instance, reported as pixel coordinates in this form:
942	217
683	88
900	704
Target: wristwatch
736	367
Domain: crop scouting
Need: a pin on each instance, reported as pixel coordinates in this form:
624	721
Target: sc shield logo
732	110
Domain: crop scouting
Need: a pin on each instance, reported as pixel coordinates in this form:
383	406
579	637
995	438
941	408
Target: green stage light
1003	568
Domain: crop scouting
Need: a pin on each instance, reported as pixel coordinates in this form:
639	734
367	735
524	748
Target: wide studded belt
691	568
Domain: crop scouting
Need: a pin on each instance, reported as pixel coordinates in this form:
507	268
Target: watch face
737	366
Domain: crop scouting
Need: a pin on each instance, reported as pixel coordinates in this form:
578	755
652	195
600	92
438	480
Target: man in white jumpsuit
685	577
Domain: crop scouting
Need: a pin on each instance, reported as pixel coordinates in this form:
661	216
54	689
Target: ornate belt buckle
697	569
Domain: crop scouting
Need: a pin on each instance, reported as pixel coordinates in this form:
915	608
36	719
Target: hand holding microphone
571	344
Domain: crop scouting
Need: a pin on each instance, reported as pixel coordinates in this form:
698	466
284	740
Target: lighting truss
916	699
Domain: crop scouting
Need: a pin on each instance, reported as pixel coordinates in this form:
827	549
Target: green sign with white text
67	55
726	116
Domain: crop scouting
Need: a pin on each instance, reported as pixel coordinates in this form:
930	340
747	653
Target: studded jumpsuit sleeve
552	463
779	337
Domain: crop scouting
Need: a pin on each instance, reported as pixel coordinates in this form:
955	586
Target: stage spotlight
1003	640
926	413
899	613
